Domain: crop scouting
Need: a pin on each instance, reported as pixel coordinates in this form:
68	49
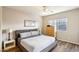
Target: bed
32	41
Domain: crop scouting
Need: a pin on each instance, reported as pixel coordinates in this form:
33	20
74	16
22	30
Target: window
60	24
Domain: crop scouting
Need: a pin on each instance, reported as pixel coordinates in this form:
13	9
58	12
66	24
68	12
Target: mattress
38	43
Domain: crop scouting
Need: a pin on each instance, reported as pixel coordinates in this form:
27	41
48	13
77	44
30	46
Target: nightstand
9	45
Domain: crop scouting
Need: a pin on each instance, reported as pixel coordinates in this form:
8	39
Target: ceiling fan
46	9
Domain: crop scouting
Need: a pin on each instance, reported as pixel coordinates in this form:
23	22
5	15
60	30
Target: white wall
0	29
72	33
14	19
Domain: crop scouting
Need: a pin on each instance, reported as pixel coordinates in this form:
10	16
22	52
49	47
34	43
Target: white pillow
35	33
25	34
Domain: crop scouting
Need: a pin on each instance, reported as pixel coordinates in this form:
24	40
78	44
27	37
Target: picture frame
29	23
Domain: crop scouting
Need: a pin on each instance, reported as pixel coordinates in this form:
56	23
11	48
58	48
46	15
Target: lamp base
8	39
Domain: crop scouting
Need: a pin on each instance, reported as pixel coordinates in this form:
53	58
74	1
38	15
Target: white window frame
53	23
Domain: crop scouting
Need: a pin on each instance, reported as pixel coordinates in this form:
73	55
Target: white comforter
37	43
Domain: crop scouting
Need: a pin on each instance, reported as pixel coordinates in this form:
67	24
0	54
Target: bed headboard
17	32
21	31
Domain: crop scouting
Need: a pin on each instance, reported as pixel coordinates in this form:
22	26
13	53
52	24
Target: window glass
60	24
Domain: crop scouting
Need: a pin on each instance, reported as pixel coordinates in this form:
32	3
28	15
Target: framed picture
29	23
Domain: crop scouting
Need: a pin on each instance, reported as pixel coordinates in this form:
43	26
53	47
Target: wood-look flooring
15	49
66	47
61	47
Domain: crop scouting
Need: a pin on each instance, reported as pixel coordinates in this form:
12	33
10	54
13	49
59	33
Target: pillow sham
25	34
34	33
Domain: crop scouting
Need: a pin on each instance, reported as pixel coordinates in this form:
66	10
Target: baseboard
68	41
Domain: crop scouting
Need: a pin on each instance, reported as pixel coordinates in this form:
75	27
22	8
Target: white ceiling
38	10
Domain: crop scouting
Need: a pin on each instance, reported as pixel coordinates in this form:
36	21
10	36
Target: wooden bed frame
17	39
